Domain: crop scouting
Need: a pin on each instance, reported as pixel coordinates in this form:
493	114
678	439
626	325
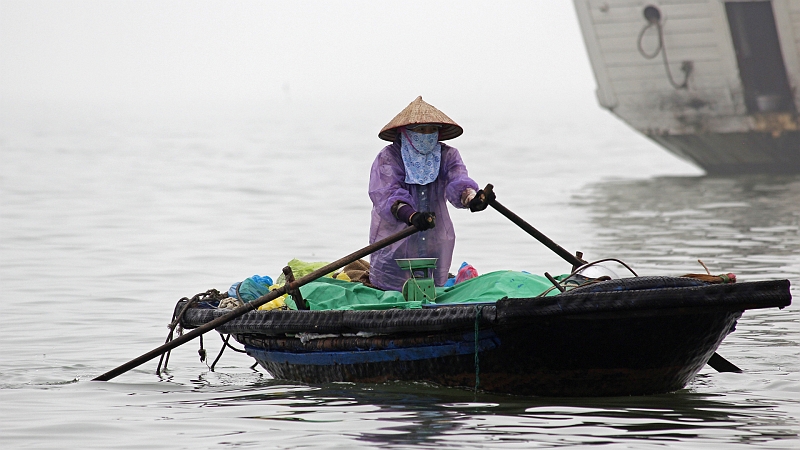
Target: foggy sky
490	52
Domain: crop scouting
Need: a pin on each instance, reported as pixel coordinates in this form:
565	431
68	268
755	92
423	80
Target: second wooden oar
716	362
528	228
250	306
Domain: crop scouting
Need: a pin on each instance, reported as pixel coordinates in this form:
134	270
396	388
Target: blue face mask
422	155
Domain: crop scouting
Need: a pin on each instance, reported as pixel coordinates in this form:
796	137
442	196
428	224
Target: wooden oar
250	306
528	228
716	362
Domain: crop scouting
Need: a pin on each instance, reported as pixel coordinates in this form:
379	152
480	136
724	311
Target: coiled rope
209	295
597	280
654	20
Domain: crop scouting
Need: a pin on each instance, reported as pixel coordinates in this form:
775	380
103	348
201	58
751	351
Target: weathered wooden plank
623	63
668	99
662	96
674	55
703	69
688	40
681	2
634	12
625	83
708	91
605	96
704	76
674	27
654	117
659	80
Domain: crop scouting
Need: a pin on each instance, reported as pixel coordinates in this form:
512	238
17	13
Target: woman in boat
409	182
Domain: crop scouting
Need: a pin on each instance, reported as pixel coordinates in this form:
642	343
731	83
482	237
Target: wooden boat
630	336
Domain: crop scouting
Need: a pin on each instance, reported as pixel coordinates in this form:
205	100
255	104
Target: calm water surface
107	219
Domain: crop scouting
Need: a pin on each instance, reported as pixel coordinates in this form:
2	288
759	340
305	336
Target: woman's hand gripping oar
486	197
250	306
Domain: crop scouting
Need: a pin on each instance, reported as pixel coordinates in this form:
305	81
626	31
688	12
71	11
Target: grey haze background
341	63
246	51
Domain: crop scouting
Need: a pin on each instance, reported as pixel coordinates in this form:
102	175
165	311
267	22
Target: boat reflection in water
411	415
749	225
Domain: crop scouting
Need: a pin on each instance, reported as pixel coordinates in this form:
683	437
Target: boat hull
737	153
638	336
619	354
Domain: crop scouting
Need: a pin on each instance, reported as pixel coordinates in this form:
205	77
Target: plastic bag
251	288
465	272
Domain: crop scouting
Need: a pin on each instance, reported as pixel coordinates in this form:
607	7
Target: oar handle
250	306
528	228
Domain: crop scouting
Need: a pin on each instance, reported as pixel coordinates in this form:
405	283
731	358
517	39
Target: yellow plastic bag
278	303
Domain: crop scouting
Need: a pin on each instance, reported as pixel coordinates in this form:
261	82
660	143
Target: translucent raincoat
386	186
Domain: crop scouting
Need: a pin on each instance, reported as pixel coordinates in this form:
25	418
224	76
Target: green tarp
327	293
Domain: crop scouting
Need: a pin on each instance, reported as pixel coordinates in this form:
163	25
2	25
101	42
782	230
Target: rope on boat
593	281
238	350
225	344
201	351
222	350
687	67
478	314
723	278
209	295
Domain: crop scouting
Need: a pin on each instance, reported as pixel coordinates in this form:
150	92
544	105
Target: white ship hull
713	81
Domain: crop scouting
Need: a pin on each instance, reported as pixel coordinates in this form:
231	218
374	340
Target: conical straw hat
420	112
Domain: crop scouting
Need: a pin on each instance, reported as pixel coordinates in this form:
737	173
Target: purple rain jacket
386	186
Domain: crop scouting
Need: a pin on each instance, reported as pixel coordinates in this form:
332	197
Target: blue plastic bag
251	288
